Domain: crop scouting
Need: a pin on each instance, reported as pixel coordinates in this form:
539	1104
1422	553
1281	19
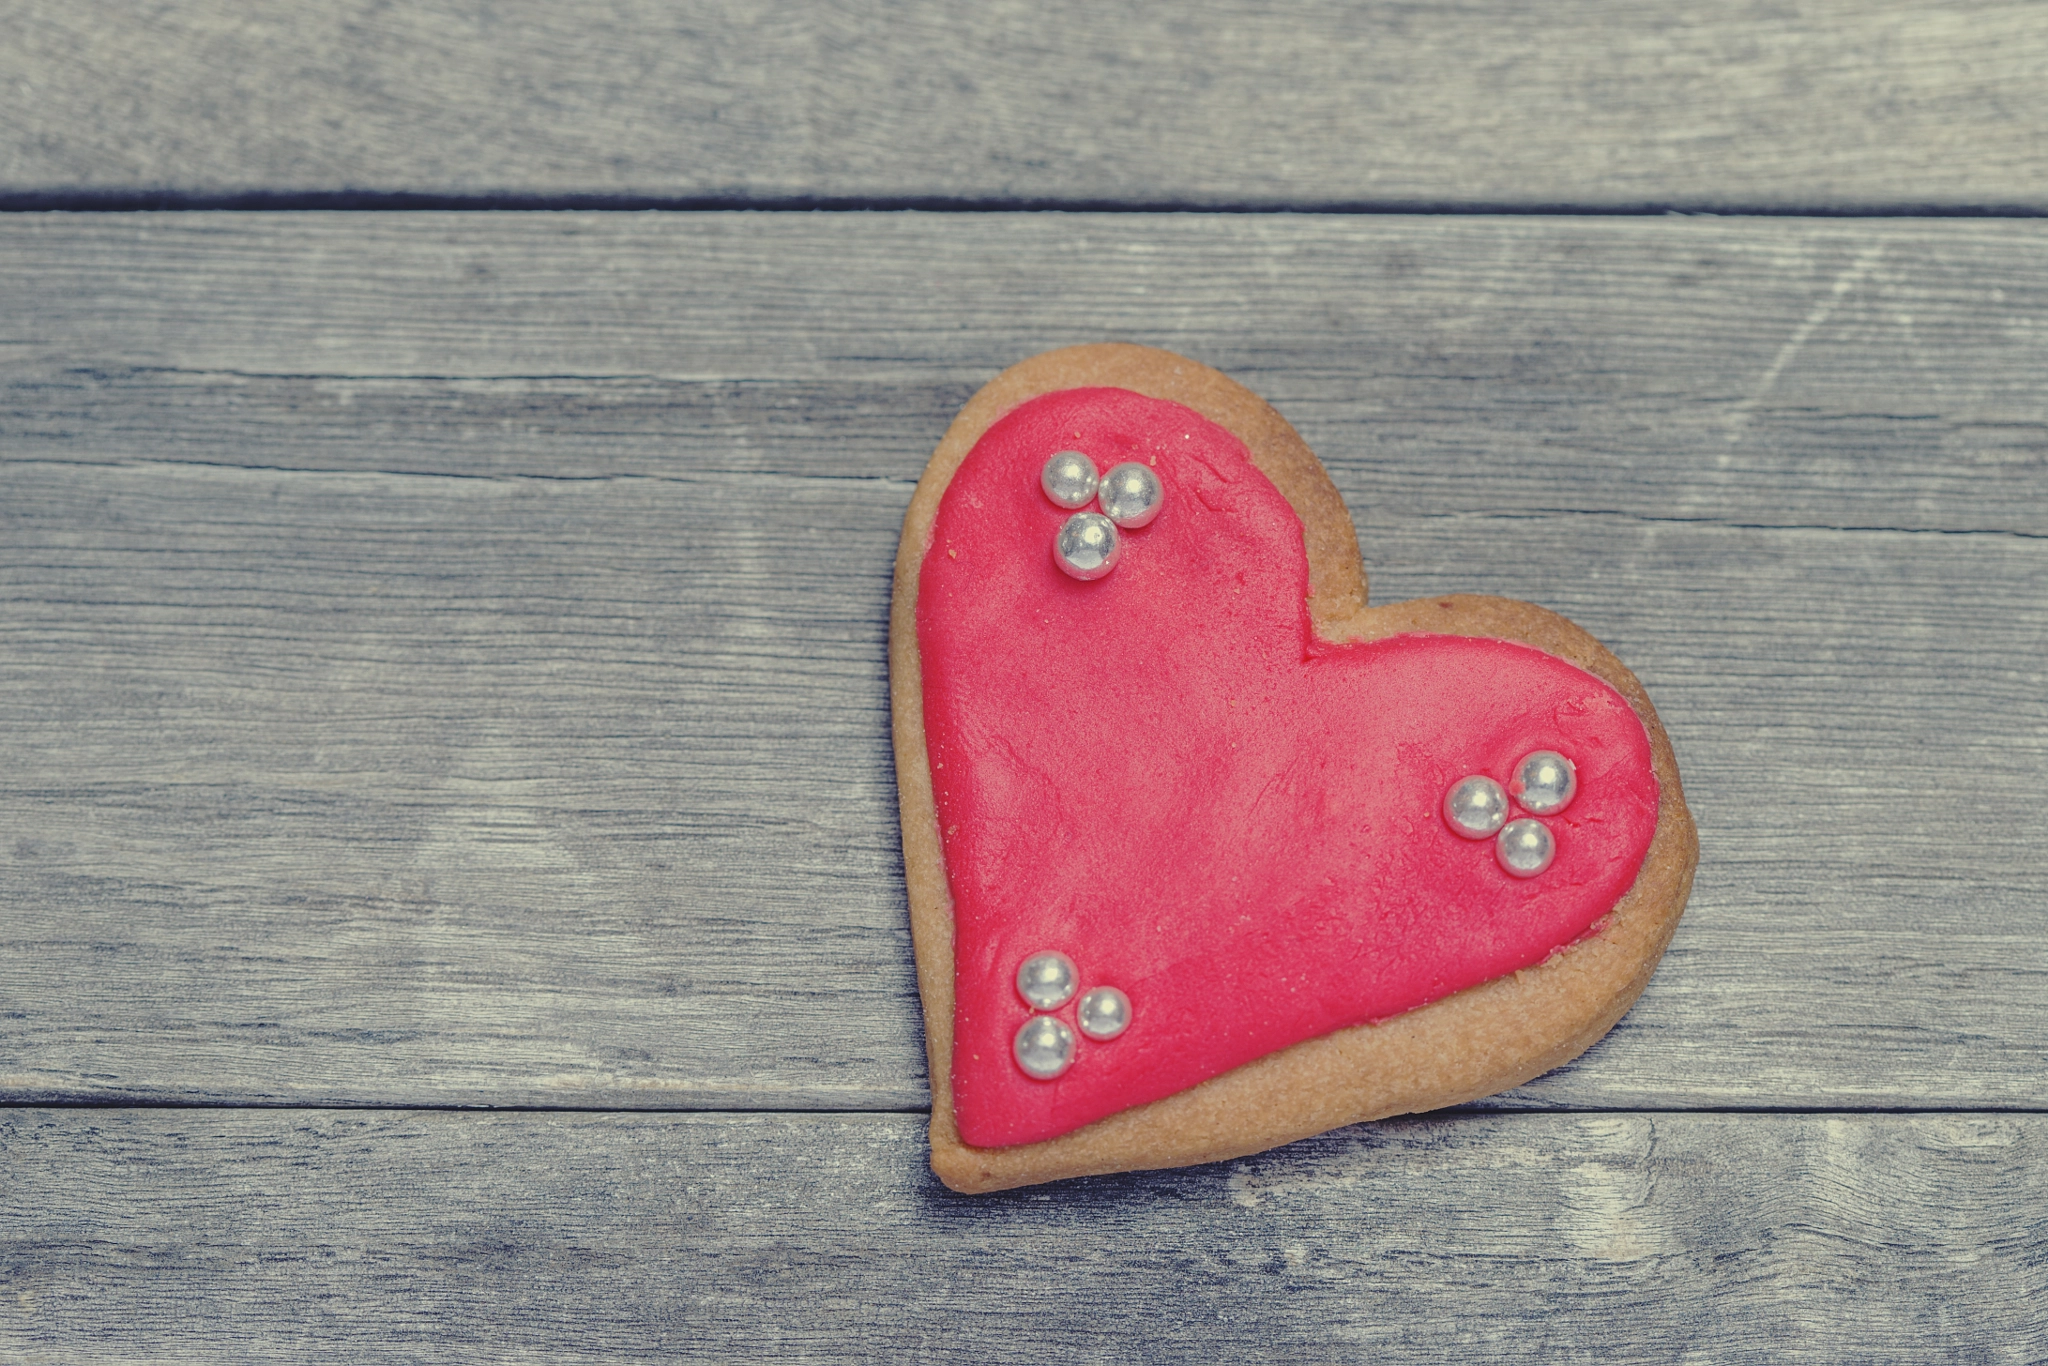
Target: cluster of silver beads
1088	544
1044	1046
1477	807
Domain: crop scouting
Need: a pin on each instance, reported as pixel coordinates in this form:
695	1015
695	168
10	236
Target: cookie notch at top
1479	1040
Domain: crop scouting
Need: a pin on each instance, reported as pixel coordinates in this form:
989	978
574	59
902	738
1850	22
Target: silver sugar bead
1131	495
1087	546
1044	1047
1545	782
1069	479
1105	1013
1046	980
1475	807
1524	847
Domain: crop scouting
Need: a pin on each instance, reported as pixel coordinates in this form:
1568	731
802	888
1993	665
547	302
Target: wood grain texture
286	1235
442	657
1836	104
1734	374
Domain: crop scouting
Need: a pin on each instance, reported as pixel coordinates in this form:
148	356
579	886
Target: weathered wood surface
285	1235
441	657
1836	104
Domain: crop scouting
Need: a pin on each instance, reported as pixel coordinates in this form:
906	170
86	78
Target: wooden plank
1838	104
284	1235
414	688
1869	374
387	789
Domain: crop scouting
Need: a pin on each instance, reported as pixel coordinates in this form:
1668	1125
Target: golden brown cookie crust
1481	1040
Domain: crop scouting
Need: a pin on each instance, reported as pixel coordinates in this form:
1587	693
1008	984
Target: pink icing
1167	777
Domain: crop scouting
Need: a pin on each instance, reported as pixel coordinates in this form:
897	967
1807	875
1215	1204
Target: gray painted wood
1737	373
441	657
290	1235
1815	104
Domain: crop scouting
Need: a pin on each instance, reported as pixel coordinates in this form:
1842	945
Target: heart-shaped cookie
1203	854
